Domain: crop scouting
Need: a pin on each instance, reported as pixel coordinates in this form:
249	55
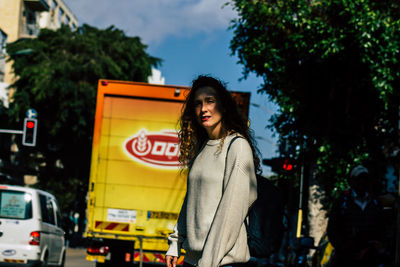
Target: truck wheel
102	264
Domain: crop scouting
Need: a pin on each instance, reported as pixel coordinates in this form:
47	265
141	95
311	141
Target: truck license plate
162	215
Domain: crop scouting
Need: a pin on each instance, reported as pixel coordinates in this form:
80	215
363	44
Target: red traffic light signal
29	132
280	165
30	124
287	165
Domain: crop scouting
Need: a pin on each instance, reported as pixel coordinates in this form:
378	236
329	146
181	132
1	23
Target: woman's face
207	111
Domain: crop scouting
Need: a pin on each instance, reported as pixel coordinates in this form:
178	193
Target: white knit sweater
211	225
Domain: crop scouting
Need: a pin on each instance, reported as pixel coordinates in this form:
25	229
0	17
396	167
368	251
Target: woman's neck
218	134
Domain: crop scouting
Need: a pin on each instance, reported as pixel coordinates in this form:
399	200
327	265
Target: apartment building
3	86
58	14
24	18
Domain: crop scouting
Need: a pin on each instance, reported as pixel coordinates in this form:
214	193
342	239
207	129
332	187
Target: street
76	258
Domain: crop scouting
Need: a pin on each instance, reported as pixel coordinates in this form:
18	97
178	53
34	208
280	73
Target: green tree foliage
333	68
57	74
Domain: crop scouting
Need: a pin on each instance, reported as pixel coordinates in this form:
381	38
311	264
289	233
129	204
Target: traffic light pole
301	195
300	211
397	205
28	132
11	131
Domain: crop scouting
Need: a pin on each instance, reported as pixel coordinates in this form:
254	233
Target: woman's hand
171	260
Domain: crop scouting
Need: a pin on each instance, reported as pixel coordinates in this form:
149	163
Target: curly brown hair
192	135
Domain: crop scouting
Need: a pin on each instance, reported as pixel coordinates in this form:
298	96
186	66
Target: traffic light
280	165
29	133
287	164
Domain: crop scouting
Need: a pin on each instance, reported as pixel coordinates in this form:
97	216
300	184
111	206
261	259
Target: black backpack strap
230	144
226	156
226	159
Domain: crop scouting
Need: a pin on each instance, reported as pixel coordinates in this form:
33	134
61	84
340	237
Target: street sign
31	113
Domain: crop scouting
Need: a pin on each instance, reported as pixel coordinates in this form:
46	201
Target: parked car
30	228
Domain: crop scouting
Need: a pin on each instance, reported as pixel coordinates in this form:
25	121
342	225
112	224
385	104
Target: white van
30	228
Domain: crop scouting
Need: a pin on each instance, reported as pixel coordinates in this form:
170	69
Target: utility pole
397	256
301	190
397	205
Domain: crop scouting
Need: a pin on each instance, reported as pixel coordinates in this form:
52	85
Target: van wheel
45	262
62	260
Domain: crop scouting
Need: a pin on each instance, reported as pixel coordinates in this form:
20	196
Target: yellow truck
136	187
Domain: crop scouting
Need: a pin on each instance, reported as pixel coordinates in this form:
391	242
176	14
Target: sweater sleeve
176	238
239	192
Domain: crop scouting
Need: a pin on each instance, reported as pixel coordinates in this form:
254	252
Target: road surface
76	258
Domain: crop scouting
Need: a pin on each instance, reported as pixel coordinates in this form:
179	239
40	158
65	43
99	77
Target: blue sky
192	38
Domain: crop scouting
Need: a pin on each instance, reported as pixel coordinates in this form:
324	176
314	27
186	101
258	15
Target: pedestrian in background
355	226
220	154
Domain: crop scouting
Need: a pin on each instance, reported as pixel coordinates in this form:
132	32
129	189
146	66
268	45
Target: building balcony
37	5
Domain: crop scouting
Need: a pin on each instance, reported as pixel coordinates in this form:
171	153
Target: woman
221	184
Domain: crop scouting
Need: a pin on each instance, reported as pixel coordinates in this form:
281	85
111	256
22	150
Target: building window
60	16
30	16
67	20
54	4
30	27
3	40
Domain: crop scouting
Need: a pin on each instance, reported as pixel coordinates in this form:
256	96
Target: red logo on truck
156	149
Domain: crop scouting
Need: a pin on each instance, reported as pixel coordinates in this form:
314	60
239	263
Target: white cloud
154	20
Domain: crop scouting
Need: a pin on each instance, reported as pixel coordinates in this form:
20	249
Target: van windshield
15	205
